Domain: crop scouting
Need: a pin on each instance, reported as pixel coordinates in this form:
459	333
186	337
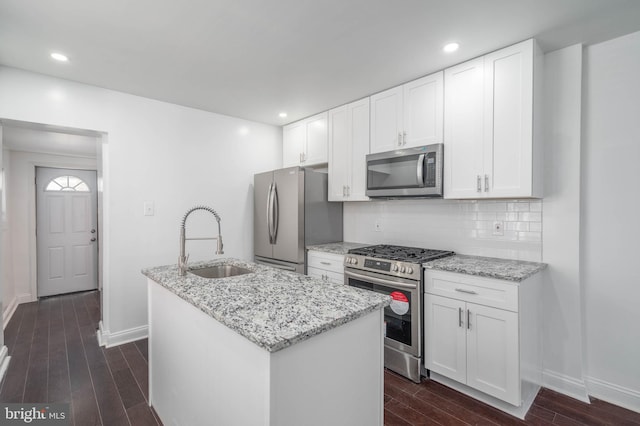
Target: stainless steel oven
409	172
397	272
402	317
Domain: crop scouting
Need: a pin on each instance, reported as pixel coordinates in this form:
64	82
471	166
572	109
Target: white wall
562	313
611	219
465	227
7	290
174	156
21	287
4	226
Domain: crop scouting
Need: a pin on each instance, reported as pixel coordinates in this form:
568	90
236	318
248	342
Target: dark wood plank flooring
56	358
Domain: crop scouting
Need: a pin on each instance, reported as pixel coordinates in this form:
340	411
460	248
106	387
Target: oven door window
397	316
391	173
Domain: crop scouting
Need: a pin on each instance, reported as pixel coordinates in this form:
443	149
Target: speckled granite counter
490	267
340	247
270	307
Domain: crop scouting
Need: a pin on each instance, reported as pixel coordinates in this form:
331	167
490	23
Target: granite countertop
340	247
270	307
490	267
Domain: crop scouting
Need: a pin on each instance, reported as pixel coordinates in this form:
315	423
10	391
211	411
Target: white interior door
66	227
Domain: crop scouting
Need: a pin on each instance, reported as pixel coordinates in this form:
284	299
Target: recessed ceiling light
282	115
451	47
59	57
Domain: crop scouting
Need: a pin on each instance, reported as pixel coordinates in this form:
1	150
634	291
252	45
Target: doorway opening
68	153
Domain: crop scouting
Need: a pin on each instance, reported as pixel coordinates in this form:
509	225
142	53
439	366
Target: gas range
397	272
400	261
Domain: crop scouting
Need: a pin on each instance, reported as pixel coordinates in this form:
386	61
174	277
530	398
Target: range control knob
394	268
409	270
402	269
354	261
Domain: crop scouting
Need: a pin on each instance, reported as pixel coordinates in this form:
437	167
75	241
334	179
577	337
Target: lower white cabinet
326	266
484	334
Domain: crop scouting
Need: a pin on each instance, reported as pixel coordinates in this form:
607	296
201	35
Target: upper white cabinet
304	143
348	147
408	115
491	149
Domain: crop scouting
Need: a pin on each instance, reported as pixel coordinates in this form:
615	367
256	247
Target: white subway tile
516	226
530	216
535	206
486	216
529	236
518	207
535	226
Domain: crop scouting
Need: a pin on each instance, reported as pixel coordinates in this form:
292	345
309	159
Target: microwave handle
420	171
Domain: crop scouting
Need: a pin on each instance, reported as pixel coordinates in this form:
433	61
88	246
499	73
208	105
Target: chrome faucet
182	260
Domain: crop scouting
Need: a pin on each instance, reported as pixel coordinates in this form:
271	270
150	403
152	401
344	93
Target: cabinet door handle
404	138
348	191
460	317
486	183
462	290
326	263
479	183
468	319
344	190
399	139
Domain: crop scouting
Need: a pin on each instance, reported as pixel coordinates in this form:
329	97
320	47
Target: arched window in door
67	183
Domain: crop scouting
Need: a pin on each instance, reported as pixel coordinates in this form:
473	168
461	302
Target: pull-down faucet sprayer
182	260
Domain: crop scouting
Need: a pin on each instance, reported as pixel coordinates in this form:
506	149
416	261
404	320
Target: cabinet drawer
330	276
480	290
327	261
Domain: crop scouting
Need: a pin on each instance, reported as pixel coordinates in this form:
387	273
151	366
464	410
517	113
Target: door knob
93	239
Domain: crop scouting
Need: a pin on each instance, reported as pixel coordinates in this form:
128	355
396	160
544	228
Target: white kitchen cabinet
491	149
326	266
408	115
482	334
348	148
305	142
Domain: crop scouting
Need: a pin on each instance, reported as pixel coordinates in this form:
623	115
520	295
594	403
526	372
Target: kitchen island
269	347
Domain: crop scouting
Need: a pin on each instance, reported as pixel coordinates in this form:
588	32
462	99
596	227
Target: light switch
149	209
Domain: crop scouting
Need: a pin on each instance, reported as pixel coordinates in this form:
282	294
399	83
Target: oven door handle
381	281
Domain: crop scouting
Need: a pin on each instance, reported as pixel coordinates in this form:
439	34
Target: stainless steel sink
220	271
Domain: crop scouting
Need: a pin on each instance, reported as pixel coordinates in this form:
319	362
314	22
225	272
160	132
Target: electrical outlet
498	227
377	226
149	209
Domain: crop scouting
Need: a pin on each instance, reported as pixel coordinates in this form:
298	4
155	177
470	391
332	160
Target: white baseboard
566	385
615	394
10	309
4	361
108	339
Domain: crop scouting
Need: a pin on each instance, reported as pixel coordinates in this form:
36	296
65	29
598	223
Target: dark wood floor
430	403
56	358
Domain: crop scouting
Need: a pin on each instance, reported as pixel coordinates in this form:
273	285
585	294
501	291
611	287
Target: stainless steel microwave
406	173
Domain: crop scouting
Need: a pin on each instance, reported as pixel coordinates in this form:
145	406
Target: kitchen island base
202	373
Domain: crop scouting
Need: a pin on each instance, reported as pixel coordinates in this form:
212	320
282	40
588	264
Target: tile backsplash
466	227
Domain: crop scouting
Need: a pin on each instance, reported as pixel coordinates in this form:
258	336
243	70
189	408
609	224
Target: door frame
33	242
79	168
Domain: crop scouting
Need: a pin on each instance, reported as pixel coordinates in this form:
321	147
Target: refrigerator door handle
270	212
275	214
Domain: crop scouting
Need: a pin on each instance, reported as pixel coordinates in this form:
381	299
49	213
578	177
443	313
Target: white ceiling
29	137
256	58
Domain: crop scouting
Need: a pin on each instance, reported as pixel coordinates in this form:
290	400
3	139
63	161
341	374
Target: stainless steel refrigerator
291	211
